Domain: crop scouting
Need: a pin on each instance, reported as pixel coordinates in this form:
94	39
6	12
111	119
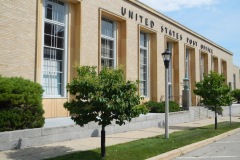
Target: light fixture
166	59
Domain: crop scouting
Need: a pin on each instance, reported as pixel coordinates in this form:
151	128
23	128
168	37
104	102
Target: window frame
108	38
202	66
187	64
147	49
234	81
65	50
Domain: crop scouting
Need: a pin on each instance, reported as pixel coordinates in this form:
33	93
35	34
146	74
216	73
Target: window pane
102	62
107	43
143	87
111	54
53	39
46	53
103	27
103	52
53	75
59	66
107	27
60	31
143	64
55	10
60	13
110	44
47	40
110	29
59	55
170	48
107	63
59	91
47	28
103	41
145	41
60	42
48	14
141	76
111	64
143	56
59	78
141	40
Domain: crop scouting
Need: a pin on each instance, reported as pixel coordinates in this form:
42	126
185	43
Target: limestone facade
23	24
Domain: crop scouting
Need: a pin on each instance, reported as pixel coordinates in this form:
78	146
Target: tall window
202	67
108	43
234	81
170	48
213	64
54	49
187	58
144	52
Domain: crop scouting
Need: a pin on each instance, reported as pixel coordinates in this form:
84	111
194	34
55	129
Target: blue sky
217	20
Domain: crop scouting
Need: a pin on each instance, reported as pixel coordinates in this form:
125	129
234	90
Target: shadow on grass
36	153
181	128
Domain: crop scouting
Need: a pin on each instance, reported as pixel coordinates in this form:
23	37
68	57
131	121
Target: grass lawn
150	147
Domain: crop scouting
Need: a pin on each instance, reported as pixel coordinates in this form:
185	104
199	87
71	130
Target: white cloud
173	5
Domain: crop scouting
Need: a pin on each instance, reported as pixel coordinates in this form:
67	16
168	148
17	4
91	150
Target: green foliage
155	107
159	107
103	97
173	106
214	91
20	104
236	95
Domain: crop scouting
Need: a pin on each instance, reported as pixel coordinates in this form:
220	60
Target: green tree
214	92
102	98
236	94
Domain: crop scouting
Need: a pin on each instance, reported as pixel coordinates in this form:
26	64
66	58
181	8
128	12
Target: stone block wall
46	135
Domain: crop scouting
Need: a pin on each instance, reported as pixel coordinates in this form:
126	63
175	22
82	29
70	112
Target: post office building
43	40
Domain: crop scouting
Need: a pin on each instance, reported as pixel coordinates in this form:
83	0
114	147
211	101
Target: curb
183	150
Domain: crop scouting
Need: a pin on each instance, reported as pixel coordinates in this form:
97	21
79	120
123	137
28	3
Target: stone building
42	40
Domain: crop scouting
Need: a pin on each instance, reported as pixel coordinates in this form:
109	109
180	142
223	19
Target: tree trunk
215	117
103	147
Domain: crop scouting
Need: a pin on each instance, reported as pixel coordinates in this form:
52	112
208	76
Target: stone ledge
41	136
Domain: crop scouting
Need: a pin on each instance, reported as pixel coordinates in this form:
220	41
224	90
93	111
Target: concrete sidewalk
62	148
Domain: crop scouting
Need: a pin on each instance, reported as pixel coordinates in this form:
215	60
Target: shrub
236	95
155	107
20	104
159	107
173	106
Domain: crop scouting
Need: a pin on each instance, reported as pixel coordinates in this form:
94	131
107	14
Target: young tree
236	95
102	98
214	92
